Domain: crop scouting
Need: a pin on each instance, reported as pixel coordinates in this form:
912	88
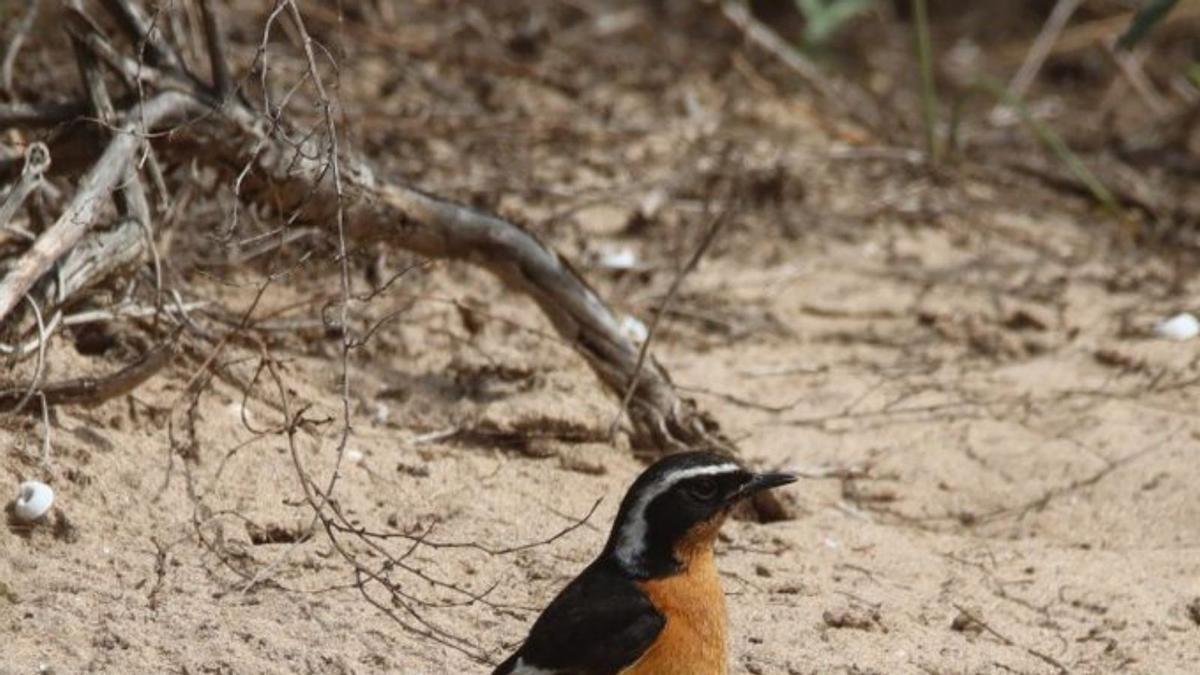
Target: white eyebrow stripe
631	544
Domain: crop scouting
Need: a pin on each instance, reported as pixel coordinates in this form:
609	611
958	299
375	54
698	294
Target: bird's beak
763	481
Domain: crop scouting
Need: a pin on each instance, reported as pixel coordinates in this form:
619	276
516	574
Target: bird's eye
704	489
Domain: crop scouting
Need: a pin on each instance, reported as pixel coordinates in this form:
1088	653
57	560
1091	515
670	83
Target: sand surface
1000	459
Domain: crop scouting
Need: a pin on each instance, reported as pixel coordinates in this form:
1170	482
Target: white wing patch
631	544
522	668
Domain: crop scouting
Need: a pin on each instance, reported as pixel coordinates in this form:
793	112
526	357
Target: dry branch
215	38
34	115
1041	47
147	34
132	195
15	41
299	180
37	160
96	258
295	178
85	206
851	102
91	391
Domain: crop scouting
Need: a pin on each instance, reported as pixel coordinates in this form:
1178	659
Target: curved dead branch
295	178
434	227
92	391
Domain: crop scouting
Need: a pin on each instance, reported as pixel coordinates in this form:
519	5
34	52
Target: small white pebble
1179	327
354	456
653	202
382	412
239	414
634	329
622	258
33	501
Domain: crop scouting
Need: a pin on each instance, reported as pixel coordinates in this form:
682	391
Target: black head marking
669	498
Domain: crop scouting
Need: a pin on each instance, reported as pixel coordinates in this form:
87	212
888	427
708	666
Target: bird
651	602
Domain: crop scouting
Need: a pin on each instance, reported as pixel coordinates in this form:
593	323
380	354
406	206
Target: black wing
599	624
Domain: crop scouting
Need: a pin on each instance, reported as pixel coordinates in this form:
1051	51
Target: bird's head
675	508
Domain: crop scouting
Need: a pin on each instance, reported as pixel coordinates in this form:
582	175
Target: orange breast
693	640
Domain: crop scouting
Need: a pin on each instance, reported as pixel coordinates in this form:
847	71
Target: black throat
657	560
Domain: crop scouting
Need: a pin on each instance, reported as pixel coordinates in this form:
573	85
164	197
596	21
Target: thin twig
217	50
34	344
15	41
319	502
1041	47
738	14
95	258
709	236
129	312
37	161
1130	65
145	34
424	540
45	458
334	165
22	395
39	115
90	391
1041	656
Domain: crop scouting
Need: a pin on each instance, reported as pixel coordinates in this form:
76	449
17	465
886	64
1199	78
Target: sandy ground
1000	459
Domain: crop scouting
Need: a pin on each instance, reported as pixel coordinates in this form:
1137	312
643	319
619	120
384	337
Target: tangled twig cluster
138	154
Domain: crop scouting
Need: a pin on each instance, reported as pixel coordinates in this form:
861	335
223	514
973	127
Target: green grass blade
1056	145
1146	18
929	100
